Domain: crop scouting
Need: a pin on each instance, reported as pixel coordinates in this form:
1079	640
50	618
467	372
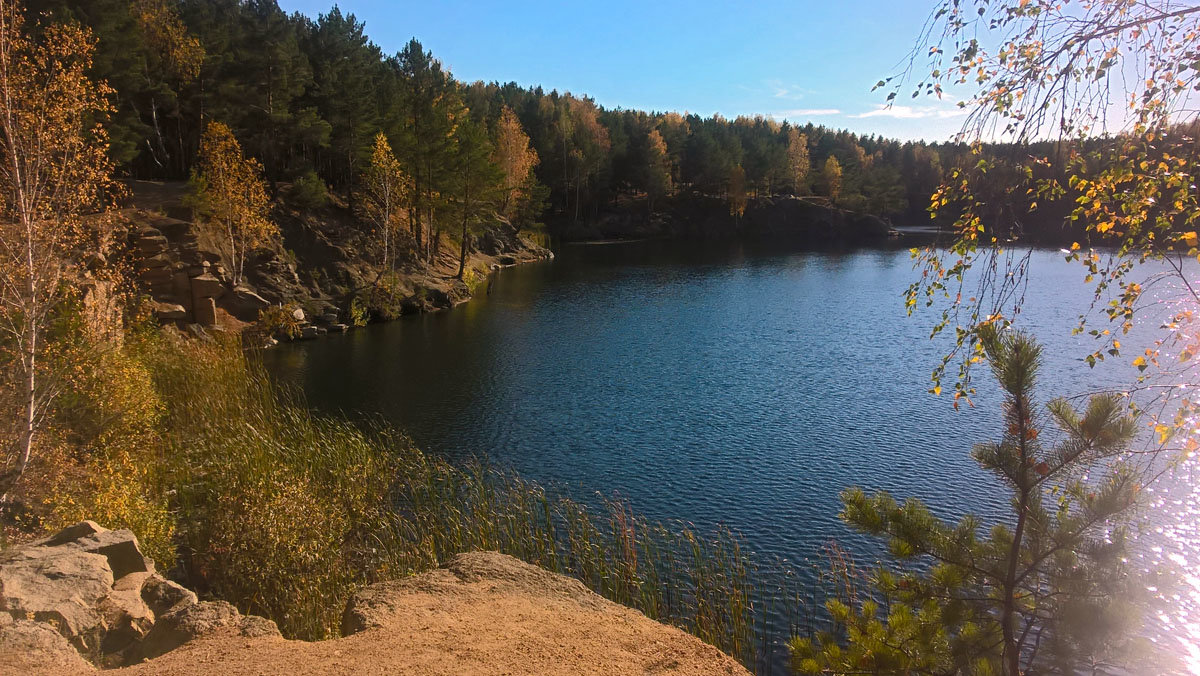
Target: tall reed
285	512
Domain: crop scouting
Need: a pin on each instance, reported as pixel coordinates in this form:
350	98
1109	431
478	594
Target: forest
308	97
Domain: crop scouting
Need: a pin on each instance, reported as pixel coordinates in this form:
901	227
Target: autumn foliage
229	191
54	174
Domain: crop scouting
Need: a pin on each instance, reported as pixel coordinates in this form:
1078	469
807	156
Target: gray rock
127	619
205	311
245	304
170	311
163	595
161	260
207	286
119	547
339	328
28	647
155	275
60	605
198	332
192	621
70	534
151	244
61	586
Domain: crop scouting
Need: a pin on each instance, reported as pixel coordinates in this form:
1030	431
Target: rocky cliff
319	266
87	598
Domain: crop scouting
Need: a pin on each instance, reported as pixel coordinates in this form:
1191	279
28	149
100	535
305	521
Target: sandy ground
485	614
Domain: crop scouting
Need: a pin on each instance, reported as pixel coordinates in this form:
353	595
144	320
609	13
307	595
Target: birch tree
386	189
54	178
515	158
229	191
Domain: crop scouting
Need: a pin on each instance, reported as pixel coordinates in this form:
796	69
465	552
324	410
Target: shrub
104	445
385	299
279	321
358	313
309	191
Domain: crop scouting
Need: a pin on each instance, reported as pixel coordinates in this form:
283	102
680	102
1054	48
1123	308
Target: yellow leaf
1163	432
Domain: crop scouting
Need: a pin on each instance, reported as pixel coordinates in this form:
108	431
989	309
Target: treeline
308	98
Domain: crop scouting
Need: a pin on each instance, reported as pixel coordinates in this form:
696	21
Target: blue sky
803	61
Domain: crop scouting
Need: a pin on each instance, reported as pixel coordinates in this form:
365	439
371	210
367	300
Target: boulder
205	311
70	534
151	244
158	593
155	275
161	260
245	304
207	286
61	586
119	547
192	621
309	332
298	314
170	311
181	285
28	647
61	605
127	619
196	331
339	328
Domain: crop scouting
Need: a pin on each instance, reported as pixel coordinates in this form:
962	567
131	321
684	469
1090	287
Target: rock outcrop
88	596
322	263
483	614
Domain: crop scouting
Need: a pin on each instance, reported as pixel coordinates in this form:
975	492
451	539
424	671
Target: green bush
279	321
309	192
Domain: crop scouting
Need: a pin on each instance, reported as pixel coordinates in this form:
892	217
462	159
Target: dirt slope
484	614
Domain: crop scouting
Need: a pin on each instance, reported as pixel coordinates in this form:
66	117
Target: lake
738	385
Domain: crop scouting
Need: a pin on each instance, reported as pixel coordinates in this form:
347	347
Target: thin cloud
911	113
781	90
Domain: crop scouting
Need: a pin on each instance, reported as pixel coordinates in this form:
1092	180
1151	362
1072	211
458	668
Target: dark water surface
735	386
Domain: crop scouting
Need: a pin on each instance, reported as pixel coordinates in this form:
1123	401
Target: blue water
733	386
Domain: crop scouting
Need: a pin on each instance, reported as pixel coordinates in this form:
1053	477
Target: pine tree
228	189
346	72
478	182
429	107
1045	591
